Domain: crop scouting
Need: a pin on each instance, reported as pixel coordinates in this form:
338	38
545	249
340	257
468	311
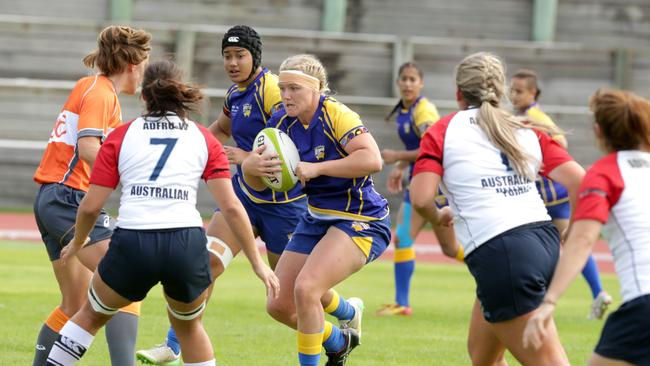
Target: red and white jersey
159	162
486	195
616	192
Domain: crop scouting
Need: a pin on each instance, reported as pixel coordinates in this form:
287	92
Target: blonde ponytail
480	78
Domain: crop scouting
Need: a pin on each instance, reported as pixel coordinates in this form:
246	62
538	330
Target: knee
282	309
480	358
306	291
216	267
477	357
279	310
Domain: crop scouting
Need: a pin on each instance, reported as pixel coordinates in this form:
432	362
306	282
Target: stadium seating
42	44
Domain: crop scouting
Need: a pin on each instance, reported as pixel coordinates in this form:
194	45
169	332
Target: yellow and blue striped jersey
552	193
325	138
249	109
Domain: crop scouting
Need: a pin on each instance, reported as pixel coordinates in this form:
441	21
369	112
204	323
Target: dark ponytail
164	91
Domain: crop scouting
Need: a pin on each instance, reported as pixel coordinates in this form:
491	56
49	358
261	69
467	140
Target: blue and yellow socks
339	308
590	273
310	345
404	268
404	259
309	348
333	340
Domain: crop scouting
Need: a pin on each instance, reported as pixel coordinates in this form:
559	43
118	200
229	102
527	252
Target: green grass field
243	334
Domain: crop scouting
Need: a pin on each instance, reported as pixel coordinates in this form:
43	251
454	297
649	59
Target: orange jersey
92	109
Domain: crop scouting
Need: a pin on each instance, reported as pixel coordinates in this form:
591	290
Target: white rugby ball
279	142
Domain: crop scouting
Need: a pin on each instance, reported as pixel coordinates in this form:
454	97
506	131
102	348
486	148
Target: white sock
71	345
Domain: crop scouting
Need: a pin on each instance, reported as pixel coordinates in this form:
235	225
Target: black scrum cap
245	37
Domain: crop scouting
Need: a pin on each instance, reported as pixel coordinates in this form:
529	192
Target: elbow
86	157
231	209
374	164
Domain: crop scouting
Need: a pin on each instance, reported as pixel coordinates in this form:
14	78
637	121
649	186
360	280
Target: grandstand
596	43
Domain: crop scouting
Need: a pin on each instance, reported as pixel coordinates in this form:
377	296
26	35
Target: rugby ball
279	142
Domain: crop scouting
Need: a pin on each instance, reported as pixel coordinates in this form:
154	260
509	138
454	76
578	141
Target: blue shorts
441	199
513	270
137	260
560	211
55	210
274	222
626	334
372	237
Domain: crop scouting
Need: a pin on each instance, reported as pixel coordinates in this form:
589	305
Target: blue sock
404	259
334	340
172	341
308	360
403	273
590	273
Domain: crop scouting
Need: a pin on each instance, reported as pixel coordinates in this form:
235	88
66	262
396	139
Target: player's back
488	196
160	161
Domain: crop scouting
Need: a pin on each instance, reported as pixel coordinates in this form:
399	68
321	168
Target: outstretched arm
235	215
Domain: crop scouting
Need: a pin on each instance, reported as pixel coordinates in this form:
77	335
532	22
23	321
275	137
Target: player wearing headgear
414	115
91	112
248	105
347	224
158	160
524	94
614	199
486	161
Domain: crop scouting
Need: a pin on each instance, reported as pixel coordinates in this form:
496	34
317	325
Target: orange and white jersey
92	109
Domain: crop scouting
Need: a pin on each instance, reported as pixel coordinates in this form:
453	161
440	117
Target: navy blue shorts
513	270
274	222
372	237
55	210
626	334
559	211
138	259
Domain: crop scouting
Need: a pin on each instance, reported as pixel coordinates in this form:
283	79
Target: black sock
121	333
44	343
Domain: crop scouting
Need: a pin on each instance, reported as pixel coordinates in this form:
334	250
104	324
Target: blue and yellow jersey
249	109
325	138
413	122
552	193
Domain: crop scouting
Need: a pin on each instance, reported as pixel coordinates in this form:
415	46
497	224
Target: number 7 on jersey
169	146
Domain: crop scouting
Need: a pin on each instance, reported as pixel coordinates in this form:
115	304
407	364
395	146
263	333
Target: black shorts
55	210
626	334
138	259
513	270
